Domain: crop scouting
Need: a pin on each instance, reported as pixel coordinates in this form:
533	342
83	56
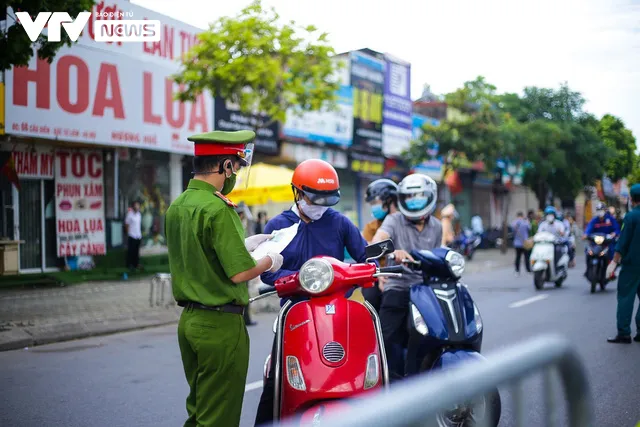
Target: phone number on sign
46	130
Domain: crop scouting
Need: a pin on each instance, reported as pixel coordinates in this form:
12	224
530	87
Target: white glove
611	268
251	243
276	261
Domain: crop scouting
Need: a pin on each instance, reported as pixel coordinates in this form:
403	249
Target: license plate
594	261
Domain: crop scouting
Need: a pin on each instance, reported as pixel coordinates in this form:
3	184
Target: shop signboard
366	165
433	167
397	107
330	127
367	80
31	161
228	117
79	198
117	94
298	153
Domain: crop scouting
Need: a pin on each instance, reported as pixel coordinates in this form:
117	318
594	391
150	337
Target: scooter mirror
380	249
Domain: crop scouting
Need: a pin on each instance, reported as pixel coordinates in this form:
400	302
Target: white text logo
127	30
34	28
326	181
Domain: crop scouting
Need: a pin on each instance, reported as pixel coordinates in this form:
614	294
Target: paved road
135	379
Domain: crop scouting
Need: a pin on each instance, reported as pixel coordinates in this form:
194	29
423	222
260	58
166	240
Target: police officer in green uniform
210	265
628	255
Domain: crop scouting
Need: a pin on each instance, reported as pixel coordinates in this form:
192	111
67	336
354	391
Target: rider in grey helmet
413	228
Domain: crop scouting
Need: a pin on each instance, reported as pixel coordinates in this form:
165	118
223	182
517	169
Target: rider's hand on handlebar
402	256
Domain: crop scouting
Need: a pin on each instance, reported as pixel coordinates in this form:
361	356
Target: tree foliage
15	45
544	128
620	142
261	64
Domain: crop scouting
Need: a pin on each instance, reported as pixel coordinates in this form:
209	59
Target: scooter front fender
452	358
539	266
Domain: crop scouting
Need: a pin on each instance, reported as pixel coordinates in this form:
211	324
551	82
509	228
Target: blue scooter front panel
451	358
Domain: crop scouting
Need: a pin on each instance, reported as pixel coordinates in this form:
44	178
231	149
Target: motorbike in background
544	265
445	329
328	348
466	243
598	259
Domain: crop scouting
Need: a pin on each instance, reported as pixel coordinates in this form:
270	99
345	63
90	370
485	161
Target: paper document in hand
281	239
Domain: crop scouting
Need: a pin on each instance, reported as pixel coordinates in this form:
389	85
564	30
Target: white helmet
417	196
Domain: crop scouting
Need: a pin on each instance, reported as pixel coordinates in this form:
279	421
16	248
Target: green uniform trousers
215	354
628	289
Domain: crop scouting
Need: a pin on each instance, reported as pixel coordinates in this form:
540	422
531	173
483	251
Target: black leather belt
226	308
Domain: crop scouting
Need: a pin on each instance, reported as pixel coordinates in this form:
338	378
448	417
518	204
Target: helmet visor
322	198
243	174
415	202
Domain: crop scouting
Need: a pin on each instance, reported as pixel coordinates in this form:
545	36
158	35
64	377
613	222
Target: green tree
15	45
619	140
261	64
559	139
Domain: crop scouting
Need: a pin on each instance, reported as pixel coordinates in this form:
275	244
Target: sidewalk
41	316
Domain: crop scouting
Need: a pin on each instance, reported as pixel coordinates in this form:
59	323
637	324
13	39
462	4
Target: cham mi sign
106	30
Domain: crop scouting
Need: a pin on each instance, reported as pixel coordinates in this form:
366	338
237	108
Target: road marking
528	301
253	386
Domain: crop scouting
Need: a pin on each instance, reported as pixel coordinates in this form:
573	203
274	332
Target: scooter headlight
418	321
455	262
598	240
372	374
477	318
316	275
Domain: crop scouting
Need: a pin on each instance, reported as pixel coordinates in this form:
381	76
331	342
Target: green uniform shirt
629	242
205	239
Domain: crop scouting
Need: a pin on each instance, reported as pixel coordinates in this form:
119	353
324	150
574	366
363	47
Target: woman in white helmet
413	228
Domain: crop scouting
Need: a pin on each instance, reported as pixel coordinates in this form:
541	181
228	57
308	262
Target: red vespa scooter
328	347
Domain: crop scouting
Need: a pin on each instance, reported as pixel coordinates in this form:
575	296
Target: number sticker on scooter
594	261
330	309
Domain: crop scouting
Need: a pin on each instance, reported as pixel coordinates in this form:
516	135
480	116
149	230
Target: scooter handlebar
265	289
392	269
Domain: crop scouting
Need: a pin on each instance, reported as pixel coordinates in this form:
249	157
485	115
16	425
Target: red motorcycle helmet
317	180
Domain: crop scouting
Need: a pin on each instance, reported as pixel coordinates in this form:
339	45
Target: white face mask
601	214
314	212
551	218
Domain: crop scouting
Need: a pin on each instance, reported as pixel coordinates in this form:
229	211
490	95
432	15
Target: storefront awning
267	183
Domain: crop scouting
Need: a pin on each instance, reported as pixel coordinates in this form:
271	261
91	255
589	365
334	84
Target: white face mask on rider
601	214
314	212
551	218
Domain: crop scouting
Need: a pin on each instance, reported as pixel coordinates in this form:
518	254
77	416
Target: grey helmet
417	196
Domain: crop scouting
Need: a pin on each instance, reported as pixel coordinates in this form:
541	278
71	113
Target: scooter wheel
538	279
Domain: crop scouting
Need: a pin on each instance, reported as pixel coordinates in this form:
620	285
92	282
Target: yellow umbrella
265	183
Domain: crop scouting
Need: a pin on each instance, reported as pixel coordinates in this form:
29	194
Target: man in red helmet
322	231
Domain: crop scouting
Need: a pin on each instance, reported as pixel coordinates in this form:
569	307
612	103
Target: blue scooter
445	328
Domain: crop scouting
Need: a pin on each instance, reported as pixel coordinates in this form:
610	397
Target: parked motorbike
445	328
598	259
466	243
328	347
543	263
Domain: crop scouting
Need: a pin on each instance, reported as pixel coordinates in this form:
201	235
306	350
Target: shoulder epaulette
225	199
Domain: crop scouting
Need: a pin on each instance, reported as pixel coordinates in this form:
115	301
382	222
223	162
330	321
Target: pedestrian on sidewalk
627	254
521	228
133	225
210	265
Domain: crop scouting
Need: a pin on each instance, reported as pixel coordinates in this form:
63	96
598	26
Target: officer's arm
589	229
229	247
622	247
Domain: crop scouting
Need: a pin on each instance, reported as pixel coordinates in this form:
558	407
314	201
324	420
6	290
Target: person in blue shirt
322	231
603	223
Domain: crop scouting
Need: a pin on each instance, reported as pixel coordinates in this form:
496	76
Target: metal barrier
158	288
417	401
